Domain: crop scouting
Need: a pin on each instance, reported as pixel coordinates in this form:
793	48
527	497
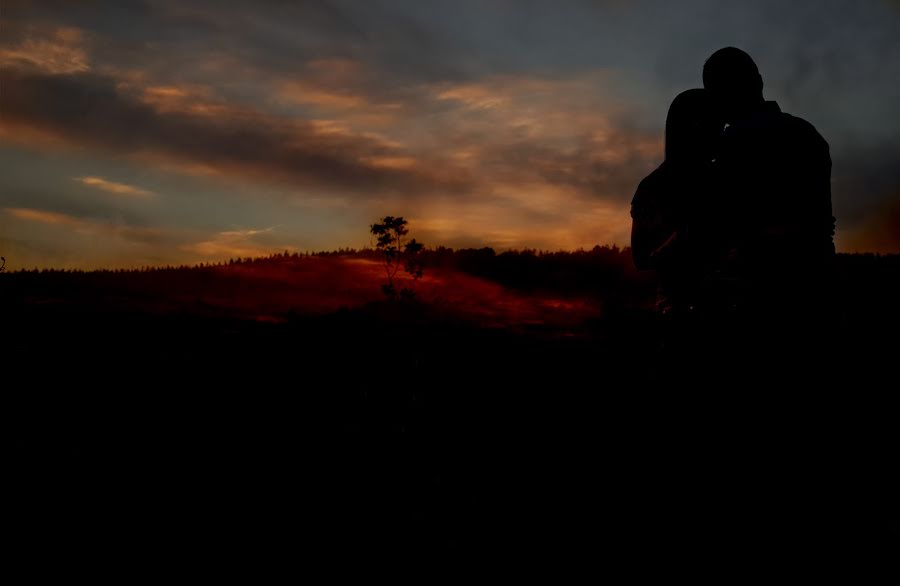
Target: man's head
734	82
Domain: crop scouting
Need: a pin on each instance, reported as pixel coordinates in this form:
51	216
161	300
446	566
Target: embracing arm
653	237
642	235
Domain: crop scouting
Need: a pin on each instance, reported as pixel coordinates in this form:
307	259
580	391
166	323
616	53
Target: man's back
776	172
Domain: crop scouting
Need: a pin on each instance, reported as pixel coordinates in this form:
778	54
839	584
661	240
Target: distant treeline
440	256
604	269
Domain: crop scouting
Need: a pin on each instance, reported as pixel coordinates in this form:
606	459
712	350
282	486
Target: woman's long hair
690	128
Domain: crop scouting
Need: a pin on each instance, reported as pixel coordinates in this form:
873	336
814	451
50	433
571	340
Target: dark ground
141	437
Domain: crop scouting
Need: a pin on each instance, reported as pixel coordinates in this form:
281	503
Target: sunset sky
178	131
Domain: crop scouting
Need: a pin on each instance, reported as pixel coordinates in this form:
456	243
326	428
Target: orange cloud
532	216
45	217
233	243
338	86
87	226
305	93
390	162
197	100
59	52
113	187
25	135
474	96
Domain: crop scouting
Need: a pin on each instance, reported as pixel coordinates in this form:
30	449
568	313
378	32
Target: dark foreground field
179	414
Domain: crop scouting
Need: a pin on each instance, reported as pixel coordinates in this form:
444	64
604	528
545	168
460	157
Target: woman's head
691	127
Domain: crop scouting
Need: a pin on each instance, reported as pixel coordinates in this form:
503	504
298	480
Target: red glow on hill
324	284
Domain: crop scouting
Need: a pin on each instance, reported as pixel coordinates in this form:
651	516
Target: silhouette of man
775	231
774	173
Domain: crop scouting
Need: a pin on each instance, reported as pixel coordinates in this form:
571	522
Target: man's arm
826	213
819	214
807	224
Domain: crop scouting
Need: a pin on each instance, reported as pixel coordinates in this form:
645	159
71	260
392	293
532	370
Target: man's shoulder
770	118
802	130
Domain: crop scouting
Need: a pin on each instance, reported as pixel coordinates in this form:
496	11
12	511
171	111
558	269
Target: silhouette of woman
677	230
671	208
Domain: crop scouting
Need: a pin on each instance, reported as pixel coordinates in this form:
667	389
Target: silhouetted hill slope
487	327
139	402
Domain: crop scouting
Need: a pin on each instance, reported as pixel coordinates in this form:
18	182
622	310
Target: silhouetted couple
737	223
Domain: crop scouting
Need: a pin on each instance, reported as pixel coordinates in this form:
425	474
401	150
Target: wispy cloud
46	217
245	233
58	51
88	226
234	243
92	110
305	93
113	187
